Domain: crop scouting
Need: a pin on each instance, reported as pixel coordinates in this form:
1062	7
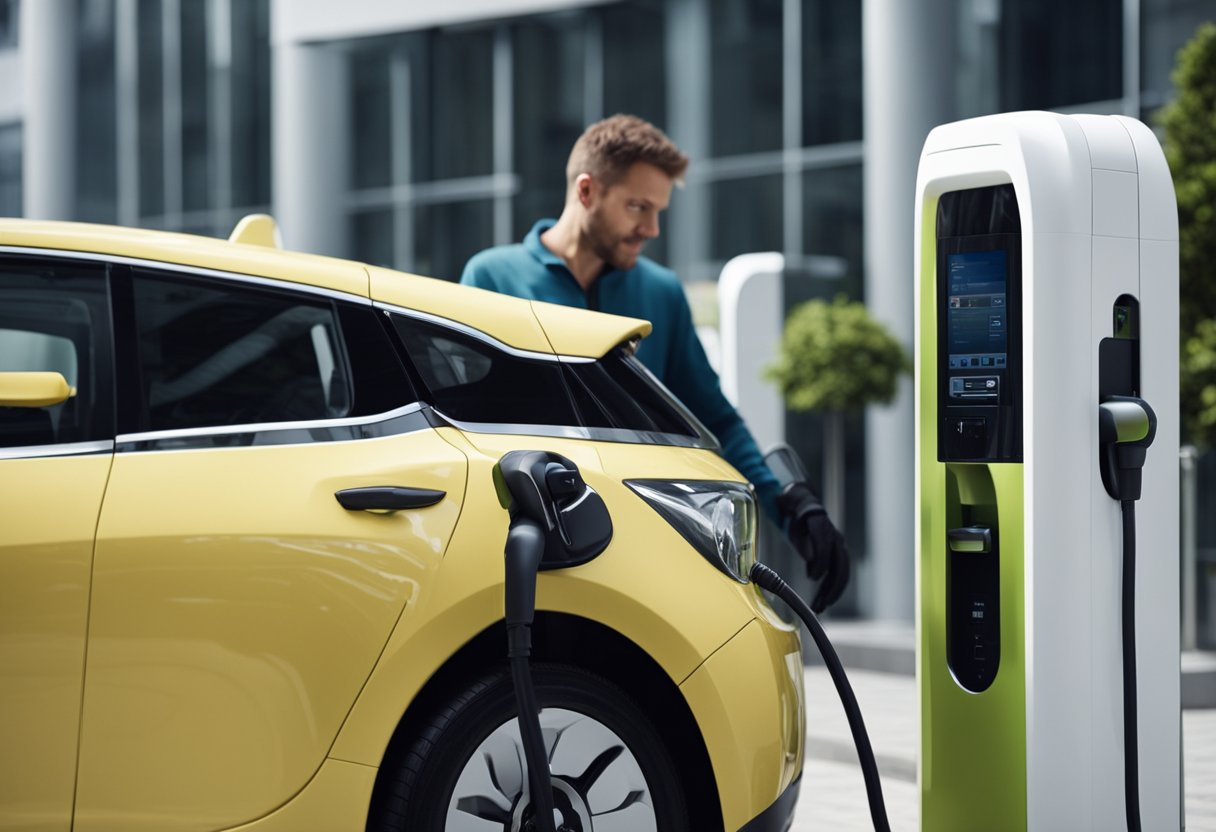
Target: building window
745	76
550	98
96	118
635	68
199	103
371	114
745	216
1167	25
447	234
452	105
10	23
10	170
831	71
1056	54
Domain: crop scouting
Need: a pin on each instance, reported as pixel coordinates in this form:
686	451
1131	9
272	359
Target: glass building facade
457	129
173	112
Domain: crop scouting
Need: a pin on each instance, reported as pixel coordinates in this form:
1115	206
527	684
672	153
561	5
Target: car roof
519	323
173	248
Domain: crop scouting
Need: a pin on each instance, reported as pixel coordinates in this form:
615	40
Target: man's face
623	216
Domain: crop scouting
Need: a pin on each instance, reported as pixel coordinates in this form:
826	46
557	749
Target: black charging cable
1131	753
1126	428
524	550
767	579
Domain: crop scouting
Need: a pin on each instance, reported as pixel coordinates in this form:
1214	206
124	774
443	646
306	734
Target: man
619	179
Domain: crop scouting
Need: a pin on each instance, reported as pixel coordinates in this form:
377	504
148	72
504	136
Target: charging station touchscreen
977	322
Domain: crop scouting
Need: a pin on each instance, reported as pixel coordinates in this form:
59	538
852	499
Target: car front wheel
465	771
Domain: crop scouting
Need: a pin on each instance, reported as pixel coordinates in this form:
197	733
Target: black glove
817	540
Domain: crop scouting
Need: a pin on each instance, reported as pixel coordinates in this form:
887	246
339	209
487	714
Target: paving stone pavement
833	797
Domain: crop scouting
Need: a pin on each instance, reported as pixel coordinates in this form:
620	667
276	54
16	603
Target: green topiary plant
1190	147
836	358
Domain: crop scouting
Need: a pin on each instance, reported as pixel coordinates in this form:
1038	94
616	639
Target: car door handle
387	498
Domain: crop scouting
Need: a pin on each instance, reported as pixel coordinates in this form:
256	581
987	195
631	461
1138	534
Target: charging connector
1126	428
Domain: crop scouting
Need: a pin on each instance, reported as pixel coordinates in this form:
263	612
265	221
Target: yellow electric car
251	556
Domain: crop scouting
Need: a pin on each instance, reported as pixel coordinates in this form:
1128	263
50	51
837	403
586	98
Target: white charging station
1040	237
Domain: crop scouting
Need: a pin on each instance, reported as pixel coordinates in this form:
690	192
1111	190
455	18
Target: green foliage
1190	147
1198	383
834	356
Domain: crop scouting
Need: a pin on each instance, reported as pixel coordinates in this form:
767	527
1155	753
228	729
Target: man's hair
608	148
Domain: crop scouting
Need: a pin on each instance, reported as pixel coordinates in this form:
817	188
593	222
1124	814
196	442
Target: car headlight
717	518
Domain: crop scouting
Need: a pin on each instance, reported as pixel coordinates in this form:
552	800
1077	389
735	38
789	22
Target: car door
238	607
54	461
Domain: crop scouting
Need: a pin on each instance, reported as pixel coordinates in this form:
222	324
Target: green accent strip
973	746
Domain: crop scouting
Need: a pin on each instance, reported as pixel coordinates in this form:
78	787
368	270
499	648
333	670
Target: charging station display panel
979	326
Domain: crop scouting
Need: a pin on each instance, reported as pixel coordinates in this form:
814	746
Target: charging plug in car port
557	521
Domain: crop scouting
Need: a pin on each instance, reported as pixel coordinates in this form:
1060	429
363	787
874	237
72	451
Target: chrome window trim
179	268
478	335
58	450
263	427
621	435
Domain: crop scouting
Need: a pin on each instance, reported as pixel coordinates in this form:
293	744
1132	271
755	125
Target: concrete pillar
907	56
309	146
48	79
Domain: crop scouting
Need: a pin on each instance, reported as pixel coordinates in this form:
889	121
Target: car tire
464	770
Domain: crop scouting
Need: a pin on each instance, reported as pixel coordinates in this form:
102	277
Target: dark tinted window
471	381
378	379
618	392
54	317
213	354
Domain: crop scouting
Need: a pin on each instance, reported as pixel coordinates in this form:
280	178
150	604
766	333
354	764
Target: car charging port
557	521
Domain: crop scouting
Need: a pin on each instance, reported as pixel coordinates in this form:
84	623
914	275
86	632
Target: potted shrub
834	357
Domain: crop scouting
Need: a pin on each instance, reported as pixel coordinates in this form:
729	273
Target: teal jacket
673	352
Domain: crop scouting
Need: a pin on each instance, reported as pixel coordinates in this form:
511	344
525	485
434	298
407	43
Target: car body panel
336	799
237	611
756	752
46	556
67	238
507	319
573	332
648	585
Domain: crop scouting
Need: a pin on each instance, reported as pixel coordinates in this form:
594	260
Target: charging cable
766	578
524	549
1126	428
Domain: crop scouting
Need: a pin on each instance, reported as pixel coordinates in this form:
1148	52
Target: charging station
1047	294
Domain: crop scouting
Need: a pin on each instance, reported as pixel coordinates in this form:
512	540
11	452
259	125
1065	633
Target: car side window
55	317
216	353
471	380
618	392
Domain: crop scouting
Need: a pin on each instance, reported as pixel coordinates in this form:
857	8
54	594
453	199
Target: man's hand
817	540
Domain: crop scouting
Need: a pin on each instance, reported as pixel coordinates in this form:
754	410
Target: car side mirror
785	464
34	389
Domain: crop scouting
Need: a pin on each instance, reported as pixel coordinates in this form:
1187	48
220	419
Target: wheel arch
582	642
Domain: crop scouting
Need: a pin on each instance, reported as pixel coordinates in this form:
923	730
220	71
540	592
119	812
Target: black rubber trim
779	816
387	498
